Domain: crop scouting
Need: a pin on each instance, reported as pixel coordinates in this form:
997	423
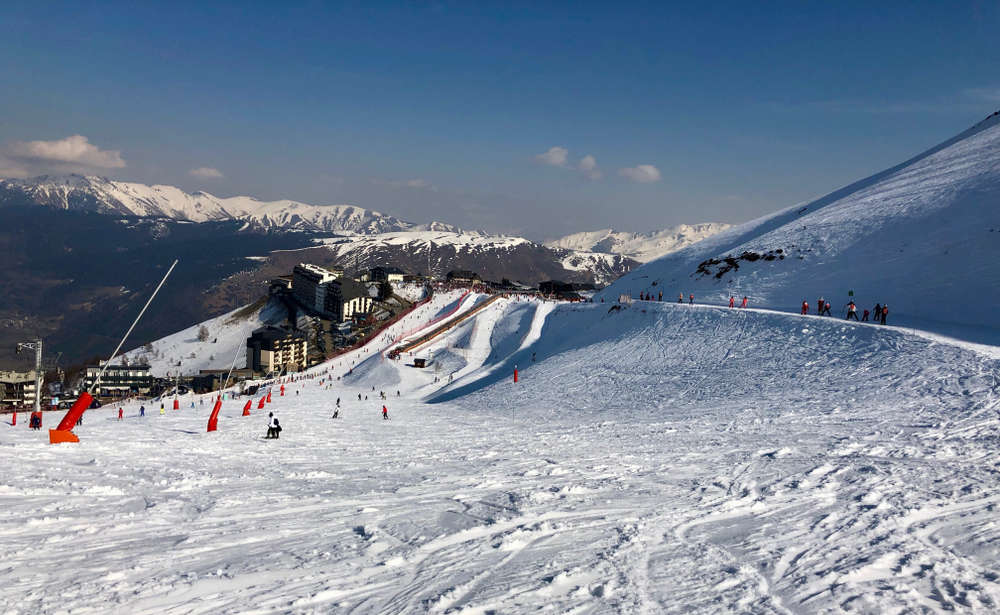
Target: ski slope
923	236
652	458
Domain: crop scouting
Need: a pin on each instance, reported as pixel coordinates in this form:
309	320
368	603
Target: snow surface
923	236
652	458
642	247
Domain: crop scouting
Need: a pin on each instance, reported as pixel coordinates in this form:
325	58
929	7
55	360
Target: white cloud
206	173
417	183
556	156
643	173
588	166
71	151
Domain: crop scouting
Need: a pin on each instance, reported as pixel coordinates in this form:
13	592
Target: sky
530	118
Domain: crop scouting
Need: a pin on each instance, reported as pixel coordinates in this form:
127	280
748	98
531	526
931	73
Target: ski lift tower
37	347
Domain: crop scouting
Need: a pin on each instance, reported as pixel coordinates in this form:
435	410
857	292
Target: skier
732	301
270	426
659	297
864	316
162	410
876	312
826	309
338	403
680	298
121	413
336	414
744	304
819	306
885	312
852	311
805	307
385	413
691	299
142	410
359	396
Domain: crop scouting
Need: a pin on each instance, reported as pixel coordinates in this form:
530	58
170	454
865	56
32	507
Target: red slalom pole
515	373
13	420
213	420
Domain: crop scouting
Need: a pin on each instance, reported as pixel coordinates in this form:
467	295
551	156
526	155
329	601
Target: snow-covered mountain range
642	247
923	236
493	256
91	193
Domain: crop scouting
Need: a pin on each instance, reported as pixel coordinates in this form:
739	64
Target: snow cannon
64	432
246	408
177	404
213	420
260	404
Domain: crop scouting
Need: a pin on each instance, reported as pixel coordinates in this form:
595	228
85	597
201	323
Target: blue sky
721	112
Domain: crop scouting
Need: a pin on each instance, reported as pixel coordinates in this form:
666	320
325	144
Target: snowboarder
385	413
691	299
744	304
732	301
277	429
852	311
805	308
270	426
885	312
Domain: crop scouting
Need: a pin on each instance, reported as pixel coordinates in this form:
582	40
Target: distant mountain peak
103	195
642	247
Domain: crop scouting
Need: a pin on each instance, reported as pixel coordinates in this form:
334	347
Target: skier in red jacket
744	304
805	308
732	301
385	413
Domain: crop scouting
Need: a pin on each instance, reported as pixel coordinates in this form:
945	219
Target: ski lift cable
127	333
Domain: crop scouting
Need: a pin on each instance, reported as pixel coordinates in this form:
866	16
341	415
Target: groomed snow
656	458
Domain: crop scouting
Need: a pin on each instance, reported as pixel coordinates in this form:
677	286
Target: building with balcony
118	380
271	349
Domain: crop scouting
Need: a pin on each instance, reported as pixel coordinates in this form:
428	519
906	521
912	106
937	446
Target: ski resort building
462	276
278	350
118	380
17	388
309	284
383	274
346	299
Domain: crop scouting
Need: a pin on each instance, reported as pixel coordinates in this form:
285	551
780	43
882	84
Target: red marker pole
515	373
13	420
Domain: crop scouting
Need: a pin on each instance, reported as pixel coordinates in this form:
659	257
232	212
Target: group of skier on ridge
644	296
879	313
